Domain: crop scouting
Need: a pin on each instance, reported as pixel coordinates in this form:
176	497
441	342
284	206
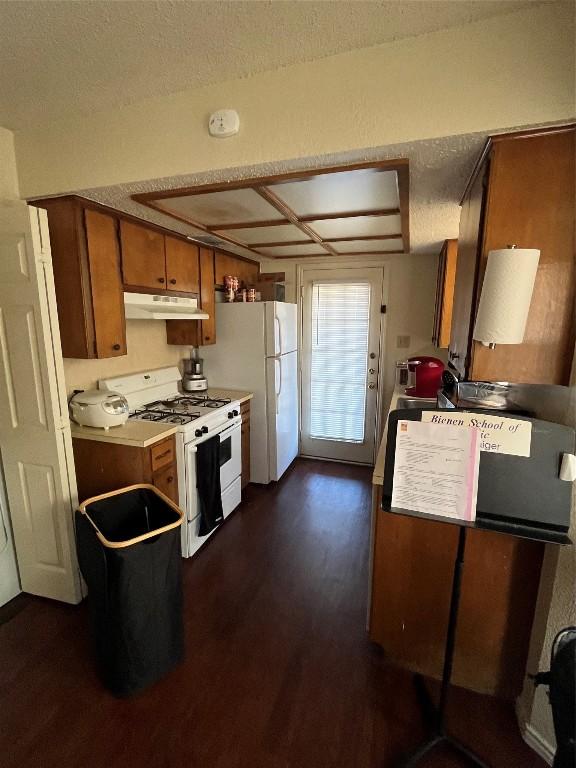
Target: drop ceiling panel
349	191
275	234
232	206
357	226
293	250
368	246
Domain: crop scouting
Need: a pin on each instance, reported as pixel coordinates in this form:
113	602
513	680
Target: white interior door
34	427
341	330
9	581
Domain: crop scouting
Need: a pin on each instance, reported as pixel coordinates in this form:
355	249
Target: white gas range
155	396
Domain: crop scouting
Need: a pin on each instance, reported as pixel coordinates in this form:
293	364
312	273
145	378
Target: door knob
371	370
371	386
372	355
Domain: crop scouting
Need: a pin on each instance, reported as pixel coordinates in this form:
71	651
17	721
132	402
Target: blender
193	379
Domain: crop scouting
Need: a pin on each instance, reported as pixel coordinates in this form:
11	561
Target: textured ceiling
60	57
439	169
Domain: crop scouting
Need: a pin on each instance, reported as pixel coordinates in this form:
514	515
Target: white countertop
139	434
378	474
232	394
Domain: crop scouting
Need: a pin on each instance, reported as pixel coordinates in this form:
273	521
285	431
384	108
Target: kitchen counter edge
139	434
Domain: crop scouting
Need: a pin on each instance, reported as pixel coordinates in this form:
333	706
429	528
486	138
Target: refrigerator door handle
279	347
280	387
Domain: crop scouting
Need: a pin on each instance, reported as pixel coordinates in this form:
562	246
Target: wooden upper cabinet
532	202
445	293
198	333
226	264
106	282
207	296
86	265
466	279
182	266
143	257
523	194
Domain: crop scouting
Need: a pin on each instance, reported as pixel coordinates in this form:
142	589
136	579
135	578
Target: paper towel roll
506	295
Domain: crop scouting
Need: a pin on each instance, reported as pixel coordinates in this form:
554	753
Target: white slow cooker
99	408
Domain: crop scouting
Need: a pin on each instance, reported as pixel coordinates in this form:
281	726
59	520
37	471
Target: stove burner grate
166	416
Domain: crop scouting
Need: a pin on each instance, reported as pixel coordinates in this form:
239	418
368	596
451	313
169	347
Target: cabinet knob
371	386
116	347
169	479
172	281
161	280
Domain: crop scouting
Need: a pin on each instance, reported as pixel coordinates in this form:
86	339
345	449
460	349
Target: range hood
147	306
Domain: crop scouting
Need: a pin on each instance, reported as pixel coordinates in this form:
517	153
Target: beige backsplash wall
147	348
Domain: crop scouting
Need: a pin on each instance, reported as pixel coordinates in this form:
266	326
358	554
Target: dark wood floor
278	674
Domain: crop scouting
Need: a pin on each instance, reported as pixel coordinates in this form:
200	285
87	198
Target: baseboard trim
538	744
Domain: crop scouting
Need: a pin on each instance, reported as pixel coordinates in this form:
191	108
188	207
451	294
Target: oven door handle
235	424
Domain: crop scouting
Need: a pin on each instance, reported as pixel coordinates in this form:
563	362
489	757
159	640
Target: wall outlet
402	342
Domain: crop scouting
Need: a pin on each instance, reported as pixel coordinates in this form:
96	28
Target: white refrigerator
256	350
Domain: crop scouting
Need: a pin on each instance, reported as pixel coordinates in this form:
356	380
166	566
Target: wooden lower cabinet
245	432
103	467
411	585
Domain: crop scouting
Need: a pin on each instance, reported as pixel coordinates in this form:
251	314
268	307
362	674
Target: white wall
8	174
147	348
555	609
512	70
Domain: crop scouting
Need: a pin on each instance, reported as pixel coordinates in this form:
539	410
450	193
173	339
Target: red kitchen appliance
424	376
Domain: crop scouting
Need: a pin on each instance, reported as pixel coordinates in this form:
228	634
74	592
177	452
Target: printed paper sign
436	470
498	434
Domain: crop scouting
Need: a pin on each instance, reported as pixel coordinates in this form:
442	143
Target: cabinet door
246	271
531	202
466	282
207	297
445	294
182	266
250	271
166	480
224	264
143	258
106	283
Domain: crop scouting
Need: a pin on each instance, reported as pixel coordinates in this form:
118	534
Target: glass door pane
338	367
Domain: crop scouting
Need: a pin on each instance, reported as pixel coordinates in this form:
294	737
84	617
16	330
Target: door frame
315	265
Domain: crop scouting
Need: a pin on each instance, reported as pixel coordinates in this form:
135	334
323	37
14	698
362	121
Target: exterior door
34	428
341	331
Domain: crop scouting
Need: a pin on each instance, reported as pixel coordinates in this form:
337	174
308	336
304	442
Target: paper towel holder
506	295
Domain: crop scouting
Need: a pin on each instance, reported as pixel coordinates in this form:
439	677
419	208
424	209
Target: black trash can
129	553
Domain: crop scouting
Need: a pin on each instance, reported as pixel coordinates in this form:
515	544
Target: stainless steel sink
415	402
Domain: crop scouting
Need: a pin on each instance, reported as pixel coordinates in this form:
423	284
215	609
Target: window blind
339	360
